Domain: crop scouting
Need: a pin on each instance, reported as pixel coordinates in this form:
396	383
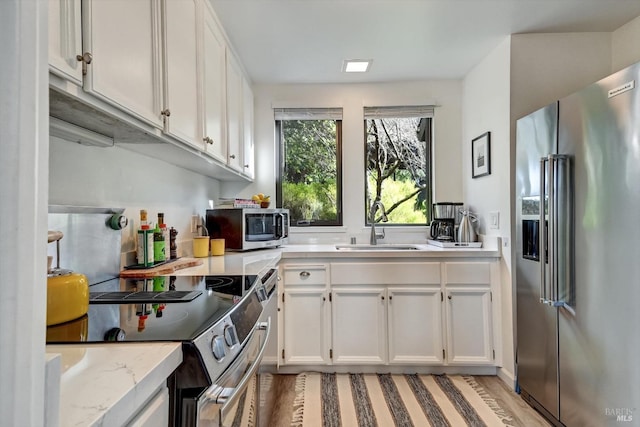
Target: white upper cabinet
181	72
213	50
163	71
123	38
248	153
234	113
65	39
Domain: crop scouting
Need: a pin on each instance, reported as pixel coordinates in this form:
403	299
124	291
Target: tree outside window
398	151
309	179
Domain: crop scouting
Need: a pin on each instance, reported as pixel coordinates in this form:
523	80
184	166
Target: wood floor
280	402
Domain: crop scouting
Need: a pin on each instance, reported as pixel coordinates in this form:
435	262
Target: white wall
547	67
626	45
486	108
23	198
444	93
118	178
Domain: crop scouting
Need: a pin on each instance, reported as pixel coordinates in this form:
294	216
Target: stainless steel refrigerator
578	255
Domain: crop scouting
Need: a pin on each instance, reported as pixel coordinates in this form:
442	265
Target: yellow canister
67	297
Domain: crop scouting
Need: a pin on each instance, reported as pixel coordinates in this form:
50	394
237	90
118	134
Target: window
398	143
309	181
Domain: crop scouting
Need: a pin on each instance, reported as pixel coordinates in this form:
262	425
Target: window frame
429	166
279	141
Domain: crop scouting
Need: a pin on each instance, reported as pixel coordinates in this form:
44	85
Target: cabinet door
65	39
415	325
234	113
469	334
359	325
124	39
247	130
181	72
306	326
213	80
155	413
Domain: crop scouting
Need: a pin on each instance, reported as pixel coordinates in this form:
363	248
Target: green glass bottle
158	245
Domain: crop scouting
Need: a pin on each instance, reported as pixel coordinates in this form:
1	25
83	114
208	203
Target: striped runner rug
384	400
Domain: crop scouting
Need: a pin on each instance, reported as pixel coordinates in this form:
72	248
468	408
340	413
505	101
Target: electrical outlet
195	222
505	242
494	220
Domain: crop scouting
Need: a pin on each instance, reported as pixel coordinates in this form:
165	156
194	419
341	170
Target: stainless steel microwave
245	229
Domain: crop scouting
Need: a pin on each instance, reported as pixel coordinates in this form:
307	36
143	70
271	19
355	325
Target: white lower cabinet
306	313
469	337
415	325
306	332
389	313
155	413
359	325
380	325
469	313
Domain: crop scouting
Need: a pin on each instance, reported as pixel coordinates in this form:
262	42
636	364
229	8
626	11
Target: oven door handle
230	400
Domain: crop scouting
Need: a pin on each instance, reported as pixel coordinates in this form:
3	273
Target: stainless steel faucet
377	204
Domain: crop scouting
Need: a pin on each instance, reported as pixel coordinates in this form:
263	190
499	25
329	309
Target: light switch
494	220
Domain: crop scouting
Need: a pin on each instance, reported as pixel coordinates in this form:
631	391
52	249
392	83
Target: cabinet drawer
305	275
468	273
388	273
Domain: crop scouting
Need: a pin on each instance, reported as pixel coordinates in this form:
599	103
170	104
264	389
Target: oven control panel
224	340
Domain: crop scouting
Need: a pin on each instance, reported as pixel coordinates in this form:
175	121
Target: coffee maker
446	218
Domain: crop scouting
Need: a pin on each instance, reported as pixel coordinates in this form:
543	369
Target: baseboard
507	377
383	369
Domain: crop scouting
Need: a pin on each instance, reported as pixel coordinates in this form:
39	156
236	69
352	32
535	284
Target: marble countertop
422	251
106	384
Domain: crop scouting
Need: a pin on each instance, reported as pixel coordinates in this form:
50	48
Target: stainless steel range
217	318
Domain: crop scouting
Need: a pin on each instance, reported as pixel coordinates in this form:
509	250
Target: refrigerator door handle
553	229
561	215
542	236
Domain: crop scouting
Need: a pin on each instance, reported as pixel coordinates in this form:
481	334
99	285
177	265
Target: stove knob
114	334
230	335
217	347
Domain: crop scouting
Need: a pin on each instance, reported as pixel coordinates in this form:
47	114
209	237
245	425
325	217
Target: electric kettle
466	229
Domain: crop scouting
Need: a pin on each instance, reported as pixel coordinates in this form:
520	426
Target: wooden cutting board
161	270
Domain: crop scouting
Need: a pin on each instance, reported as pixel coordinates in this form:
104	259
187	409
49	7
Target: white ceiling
306	41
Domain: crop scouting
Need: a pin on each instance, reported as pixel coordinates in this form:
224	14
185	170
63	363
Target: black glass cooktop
163	308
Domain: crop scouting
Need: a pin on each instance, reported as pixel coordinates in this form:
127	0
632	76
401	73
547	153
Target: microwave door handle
229	402
542	236
280	226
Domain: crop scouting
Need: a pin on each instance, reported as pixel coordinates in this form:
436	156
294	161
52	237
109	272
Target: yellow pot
67	297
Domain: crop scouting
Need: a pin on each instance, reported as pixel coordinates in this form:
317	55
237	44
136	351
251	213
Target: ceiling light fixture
356	65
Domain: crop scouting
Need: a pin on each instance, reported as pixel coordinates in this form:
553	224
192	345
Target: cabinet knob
449	296
85	57
324	299
305	274
166	112
208	140
382	297
246	166
232	156
390	297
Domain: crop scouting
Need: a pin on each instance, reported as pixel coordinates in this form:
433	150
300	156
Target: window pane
309	184
397	169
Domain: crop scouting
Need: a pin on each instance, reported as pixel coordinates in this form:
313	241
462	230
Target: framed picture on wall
481	155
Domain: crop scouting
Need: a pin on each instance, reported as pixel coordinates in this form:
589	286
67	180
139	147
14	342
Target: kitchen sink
383	247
